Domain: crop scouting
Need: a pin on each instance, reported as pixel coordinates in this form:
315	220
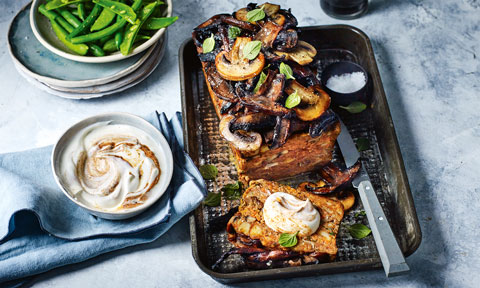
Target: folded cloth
40	228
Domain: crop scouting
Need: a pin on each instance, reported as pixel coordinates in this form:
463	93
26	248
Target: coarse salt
347	83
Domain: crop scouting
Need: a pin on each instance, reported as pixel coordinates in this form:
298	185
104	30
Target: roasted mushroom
303	53
248	143
314	101
233	66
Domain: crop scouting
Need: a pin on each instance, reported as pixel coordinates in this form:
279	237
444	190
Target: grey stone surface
428	54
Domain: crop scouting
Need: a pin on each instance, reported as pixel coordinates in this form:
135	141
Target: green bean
69	17
103	40
81	11
158	23
54	4
52	15
132	30
118	39
87	23
107	31
75	12
119	8
105	18
97	51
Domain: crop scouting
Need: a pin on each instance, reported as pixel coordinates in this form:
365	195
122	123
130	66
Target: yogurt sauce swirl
110	166
286	213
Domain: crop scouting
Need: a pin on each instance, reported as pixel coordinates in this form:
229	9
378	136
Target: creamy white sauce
109	166
286	213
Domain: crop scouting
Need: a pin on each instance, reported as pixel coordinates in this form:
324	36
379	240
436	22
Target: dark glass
344	9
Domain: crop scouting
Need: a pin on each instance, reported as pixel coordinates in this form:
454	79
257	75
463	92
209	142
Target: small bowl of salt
345	82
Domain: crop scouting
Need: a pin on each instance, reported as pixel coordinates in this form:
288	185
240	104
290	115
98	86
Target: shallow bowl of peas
99	31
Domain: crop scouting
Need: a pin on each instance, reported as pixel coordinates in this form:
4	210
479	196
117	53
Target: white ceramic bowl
165	161
43	32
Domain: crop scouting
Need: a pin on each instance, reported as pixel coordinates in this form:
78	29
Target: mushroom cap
234	67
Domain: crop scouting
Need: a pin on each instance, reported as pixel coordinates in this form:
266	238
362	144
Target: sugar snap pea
52	15
158	23
107	31
69	17
87	23
119	8
105	18
80	49
54	4
132	30
81	11
97	51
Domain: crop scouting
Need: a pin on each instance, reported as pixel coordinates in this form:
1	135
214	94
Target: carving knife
387	246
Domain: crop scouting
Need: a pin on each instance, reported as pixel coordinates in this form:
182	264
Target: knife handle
387	246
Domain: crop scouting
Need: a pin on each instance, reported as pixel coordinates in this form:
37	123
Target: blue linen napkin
41	229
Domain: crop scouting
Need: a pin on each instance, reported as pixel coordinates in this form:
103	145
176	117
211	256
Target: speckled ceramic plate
39	63
119	85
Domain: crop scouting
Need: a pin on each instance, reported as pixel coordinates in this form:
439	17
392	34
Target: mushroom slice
314	101
281	132
303	53
270	9
256	121
268	34
220	86
233	66
242	15
286	40
248	143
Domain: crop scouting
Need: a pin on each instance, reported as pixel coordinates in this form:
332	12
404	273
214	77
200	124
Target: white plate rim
94	59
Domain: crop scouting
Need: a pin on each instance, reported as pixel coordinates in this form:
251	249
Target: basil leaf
234	32
251	50
293	100
232	191
286	70
355	107
208	44
212	199
208	171
363	144
288	240
261	80
255	15
359	231
361	213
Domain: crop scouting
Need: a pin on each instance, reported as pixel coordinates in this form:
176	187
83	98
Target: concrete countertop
428	54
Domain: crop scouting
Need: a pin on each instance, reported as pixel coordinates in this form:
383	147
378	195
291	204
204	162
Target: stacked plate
76	80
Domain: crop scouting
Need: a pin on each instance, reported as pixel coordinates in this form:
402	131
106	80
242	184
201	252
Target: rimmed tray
382	159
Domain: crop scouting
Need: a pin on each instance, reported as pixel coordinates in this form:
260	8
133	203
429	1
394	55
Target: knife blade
390	254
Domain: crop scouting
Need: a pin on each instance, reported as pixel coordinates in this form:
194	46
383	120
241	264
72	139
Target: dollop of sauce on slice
286	213
110	166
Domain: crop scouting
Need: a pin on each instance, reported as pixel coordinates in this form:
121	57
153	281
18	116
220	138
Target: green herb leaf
212	199
232	191
293	100
251	50
208	171
363	144
208	44
234	32
355	107
359	231
255	15
286	70
288	240
361	213
261	80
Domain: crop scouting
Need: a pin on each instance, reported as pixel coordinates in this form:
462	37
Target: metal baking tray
382	159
